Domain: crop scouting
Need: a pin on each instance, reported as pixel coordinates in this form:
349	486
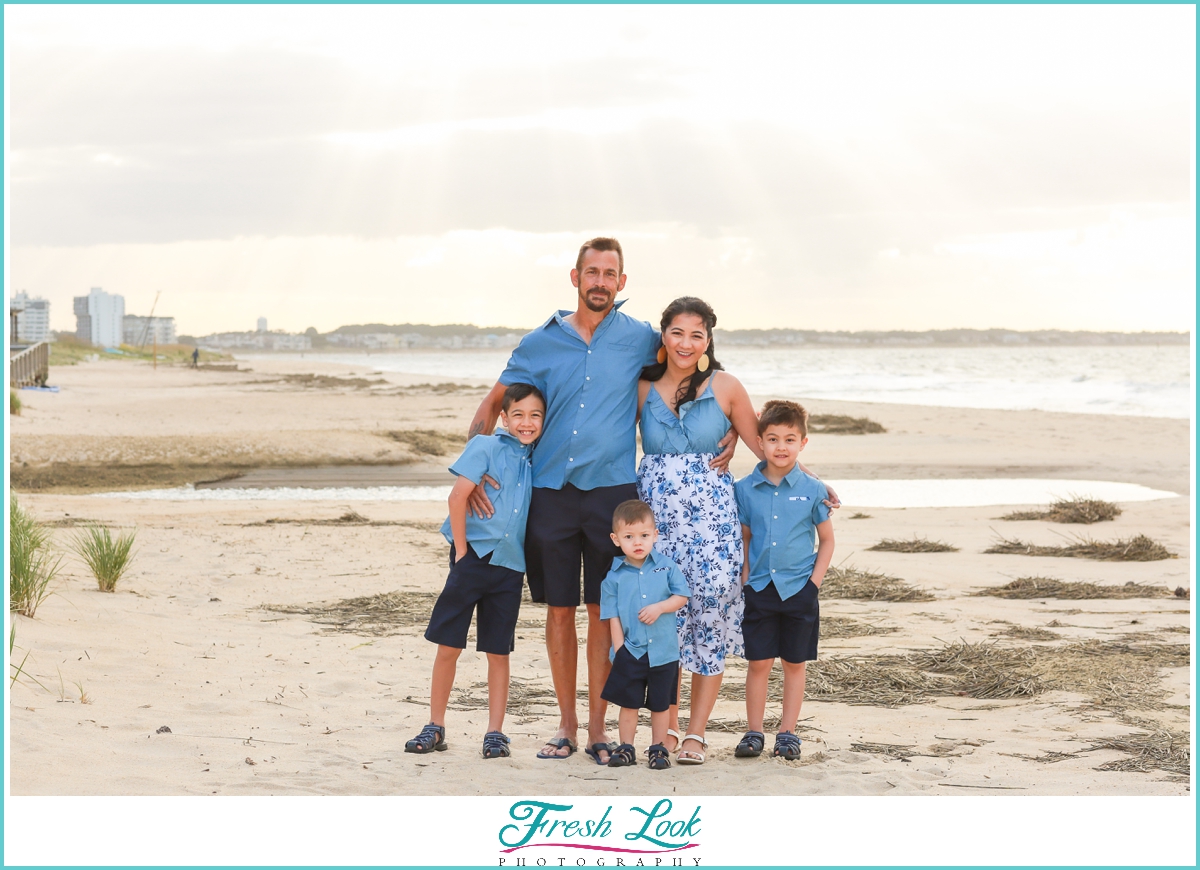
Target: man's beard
592	306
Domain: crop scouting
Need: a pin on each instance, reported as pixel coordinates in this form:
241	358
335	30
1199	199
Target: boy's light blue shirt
591	397
507	461
783	524
627	589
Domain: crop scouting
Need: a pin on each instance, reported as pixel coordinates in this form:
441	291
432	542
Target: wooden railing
31	366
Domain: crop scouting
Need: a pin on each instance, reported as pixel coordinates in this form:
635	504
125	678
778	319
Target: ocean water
1135	380
854	493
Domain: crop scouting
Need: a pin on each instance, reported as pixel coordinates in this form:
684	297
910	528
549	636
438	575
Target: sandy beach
236	627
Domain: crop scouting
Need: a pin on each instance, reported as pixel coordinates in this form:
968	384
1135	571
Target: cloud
542	179
776	147
1081	276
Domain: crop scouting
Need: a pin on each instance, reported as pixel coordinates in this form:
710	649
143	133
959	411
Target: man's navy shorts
476	583
566	527
633	684
772	628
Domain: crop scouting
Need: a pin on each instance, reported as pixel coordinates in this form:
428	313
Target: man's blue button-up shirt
783	524
591	397
507	461
627	589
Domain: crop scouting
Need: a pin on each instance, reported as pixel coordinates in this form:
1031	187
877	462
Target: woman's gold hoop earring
702	363
662	354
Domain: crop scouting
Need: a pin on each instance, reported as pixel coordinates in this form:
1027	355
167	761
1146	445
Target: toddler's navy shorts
633	684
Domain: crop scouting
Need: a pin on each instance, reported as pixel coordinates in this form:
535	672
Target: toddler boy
643	587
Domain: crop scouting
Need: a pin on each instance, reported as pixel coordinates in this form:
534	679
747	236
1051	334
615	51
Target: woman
686	404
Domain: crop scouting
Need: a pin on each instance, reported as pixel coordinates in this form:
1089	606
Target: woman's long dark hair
690	386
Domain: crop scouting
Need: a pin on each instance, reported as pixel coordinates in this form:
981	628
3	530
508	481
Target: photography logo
619	837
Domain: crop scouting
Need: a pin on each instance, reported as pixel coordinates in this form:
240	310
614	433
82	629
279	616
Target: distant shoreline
826	341
454	336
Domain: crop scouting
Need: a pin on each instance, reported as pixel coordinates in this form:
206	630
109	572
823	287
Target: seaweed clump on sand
1025	632
913	545
1139	548
371	615
840	626
428	441
1071	510
856	583
1155	749
1113	675
840	424
1048	587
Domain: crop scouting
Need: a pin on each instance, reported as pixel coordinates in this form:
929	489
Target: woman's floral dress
698	523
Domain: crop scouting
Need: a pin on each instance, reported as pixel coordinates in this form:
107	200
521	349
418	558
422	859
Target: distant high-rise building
262	324
140	330
33	317
99	318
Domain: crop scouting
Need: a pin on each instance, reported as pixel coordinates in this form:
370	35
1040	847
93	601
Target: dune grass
14	403
67	350
1071	510
1048	587
108	559
18	670
1139	548
32	561
913	545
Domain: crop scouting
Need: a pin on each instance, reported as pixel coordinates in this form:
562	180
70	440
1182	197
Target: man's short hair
602	243
517	392
632	511
780	413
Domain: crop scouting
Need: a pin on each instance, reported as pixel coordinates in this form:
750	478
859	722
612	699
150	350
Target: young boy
780	508
487	564
639	598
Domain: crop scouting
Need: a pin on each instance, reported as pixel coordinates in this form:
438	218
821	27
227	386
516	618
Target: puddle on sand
964	492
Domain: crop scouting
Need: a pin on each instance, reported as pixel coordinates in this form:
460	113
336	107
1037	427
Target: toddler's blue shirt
627	589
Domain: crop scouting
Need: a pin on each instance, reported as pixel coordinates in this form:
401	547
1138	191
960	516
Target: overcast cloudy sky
867	167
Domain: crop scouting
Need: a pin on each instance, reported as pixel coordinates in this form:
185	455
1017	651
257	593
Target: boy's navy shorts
772	628
477	583
633	684
567	526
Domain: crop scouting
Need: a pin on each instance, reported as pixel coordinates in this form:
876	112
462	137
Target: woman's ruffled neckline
667	417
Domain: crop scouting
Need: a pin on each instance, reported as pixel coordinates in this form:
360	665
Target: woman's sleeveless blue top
700	425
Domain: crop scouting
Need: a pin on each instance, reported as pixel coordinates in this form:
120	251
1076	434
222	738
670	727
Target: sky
870	167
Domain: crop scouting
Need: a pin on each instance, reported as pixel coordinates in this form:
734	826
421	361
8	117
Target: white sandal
671	732
696	757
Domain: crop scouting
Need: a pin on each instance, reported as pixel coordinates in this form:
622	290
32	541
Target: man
586	363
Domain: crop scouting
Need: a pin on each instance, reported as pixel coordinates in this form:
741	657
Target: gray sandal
431	739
